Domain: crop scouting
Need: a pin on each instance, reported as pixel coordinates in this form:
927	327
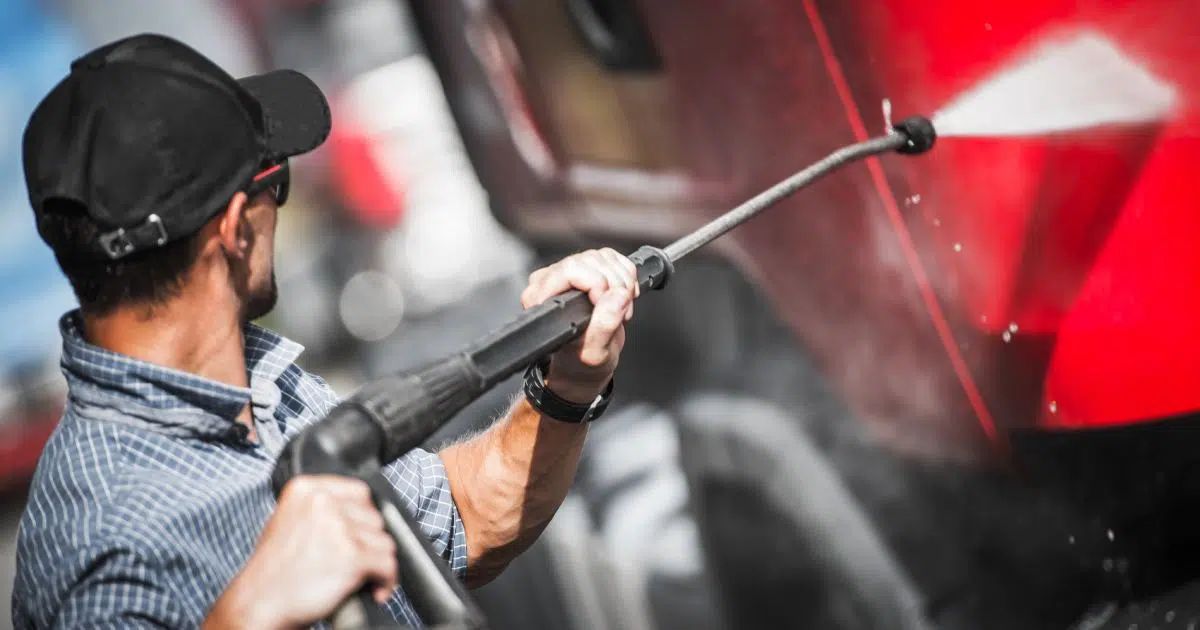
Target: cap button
238	432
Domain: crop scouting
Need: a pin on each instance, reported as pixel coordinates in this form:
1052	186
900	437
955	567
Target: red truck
993	346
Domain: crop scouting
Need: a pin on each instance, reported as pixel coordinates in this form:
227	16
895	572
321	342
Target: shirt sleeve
421	480
120	591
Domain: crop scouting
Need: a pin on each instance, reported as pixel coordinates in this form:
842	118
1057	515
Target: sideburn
239	266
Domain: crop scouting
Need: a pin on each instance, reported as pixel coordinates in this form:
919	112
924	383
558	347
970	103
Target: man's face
258	282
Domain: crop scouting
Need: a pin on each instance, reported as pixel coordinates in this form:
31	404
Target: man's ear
231	227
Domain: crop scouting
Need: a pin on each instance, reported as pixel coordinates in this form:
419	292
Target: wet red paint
1086	237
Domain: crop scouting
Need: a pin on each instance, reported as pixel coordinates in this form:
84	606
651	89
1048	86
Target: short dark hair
146	278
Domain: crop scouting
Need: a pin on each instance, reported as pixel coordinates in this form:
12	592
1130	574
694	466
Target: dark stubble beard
261	302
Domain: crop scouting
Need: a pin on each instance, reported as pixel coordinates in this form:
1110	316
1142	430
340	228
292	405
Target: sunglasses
276	179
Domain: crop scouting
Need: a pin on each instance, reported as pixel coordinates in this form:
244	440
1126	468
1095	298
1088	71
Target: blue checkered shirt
148	498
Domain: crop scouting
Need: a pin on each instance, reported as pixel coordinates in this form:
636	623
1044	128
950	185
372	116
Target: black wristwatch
545	401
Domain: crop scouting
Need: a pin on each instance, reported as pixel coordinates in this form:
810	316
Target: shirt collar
171	400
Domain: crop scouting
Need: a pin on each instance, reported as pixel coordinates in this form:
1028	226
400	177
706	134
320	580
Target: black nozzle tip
920	133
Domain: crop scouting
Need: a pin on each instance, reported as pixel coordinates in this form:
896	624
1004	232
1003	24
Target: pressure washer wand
393	415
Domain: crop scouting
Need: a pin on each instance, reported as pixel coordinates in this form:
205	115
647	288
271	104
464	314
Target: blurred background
818	423
387	253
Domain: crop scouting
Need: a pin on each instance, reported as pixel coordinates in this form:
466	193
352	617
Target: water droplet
1110	534
983	319
1108	565
1012	328
937	223
958	247
987	26
1191	625
1170	616
887	114
1071	540
1053	407
1006	336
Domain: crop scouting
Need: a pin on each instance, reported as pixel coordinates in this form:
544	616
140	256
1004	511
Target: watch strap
550	404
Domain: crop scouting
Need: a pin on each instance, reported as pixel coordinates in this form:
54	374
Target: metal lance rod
773	195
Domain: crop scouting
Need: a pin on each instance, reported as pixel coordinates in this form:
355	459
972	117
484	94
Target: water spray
1064	84
393	415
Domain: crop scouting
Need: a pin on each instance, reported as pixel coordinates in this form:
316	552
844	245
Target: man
155	177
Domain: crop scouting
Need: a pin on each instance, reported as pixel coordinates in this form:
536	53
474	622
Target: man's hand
581	370
324	540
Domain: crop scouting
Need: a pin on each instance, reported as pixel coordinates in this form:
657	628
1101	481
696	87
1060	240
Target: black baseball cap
152	139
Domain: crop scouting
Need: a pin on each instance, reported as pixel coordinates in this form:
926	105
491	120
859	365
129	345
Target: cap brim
295	112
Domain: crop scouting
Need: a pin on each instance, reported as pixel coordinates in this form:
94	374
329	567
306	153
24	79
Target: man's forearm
509	481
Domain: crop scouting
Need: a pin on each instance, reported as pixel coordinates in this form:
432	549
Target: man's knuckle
607	321
388	556
300	487
359	490
383	568
593	357
320	501
344	531
576	277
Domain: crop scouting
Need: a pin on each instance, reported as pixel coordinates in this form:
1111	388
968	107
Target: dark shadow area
1139	487
785	541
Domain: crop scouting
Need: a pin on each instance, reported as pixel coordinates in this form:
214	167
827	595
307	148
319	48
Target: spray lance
395	414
